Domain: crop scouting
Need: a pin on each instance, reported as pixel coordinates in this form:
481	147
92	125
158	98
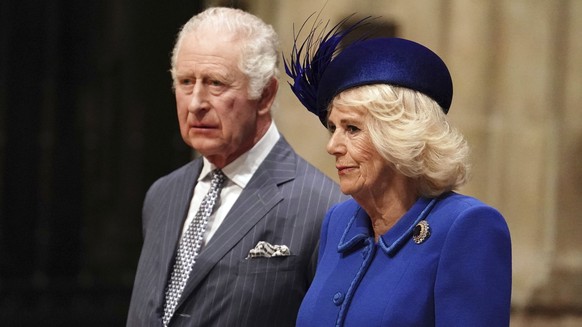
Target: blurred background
87	123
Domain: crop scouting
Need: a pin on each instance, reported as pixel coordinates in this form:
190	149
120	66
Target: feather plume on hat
309	59
320	70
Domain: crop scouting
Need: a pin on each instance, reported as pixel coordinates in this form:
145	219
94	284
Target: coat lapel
257	199
178	203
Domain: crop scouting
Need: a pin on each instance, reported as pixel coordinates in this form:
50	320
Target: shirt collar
359	228
242	168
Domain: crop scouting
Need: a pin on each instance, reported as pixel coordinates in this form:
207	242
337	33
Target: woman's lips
341	170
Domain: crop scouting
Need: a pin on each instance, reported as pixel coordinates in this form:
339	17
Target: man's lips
202	129
203	126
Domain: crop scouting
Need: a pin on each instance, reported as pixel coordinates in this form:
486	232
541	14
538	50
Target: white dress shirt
238	173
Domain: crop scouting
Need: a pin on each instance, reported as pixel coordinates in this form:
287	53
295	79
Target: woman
406	250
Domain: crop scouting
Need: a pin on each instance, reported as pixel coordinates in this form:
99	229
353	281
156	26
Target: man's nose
198	98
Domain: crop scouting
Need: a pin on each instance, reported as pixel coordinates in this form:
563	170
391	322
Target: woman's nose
335	145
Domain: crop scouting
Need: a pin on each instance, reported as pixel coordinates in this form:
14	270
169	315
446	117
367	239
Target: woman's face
361	169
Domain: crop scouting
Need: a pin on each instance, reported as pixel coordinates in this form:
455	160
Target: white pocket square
267	250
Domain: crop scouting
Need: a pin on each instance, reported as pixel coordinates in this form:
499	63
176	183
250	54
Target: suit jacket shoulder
283	204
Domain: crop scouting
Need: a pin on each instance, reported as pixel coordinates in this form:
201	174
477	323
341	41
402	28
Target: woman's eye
352	129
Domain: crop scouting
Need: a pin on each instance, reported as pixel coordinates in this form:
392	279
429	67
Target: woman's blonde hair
411	131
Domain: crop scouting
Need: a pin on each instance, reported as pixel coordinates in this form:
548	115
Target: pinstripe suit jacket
284	203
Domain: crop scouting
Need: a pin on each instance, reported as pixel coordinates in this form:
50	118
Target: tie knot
217	178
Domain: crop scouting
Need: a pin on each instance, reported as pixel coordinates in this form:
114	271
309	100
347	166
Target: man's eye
331	128
215	83
185	81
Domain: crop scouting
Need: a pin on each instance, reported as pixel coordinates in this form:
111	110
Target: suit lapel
257	199
178	203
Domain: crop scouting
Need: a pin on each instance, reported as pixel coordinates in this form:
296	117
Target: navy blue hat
393	61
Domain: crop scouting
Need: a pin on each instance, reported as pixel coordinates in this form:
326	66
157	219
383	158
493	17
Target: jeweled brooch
421	232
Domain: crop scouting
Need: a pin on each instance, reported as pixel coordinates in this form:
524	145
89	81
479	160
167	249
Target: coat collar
359	228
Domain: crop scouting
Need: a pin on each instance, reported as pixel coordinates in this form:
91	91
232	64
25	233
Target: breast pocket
273	265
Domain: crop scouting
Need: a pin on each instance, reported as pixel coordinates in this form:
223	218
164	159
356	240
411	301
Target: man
251	261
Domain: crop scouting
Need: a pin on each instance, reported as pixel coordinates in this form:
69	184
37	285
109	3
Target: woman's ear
268	96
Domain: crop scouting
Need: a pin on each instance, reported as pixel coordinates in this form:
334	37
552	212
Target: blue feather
310	58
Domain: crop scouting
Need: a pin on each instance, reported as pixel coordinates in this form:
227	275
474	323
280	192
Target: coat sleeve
473	282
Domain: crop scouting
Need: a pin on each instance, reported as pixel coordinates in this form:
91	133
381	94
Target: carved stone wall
517	71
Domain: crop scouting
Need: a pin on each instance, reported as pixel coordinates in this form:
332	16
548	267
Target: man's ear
268	96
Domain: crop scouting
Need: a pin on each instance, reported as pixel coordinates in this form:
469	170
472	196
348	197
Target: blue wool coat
459	276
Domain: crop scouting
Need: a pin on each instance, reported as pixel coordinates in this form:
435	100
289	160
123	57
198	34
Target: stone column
517	71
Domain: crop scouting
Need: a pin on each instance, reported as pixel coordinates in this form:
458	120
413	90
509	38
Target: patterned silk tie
189	247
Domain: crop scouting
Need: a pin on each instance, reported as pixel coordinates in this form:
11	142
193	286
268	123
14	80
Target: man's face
215	115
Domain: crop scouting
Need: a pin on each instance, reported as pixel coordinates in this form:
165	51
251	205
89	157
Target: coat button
338	298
